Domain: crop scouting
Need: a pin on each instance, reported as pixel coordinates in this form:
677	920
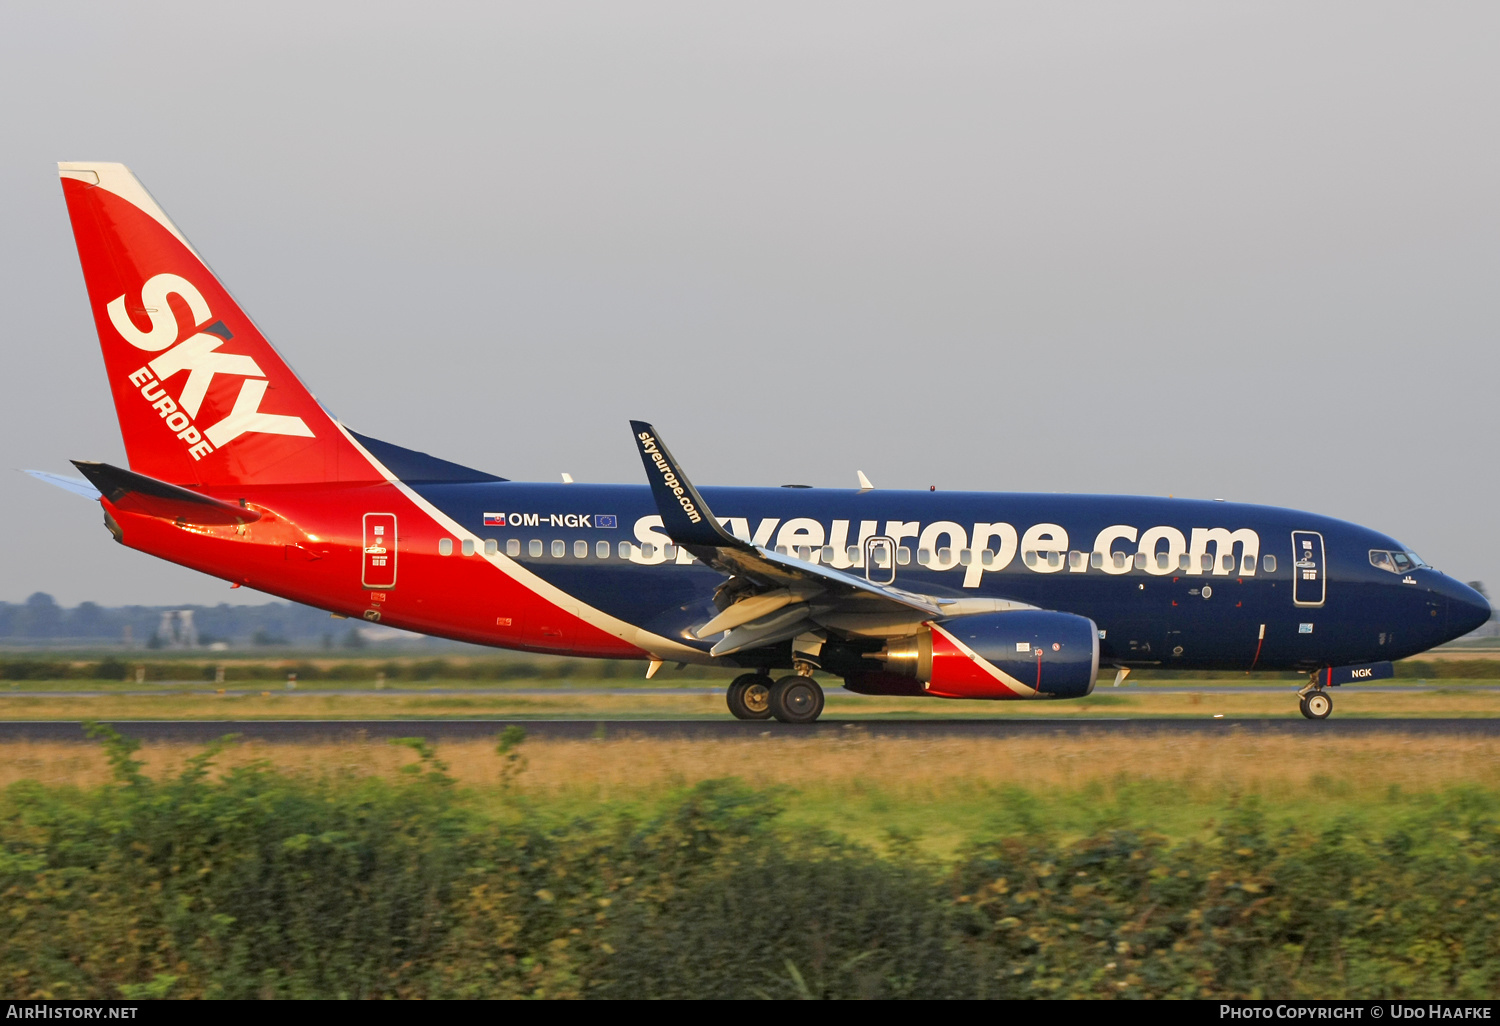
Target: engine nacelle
1017	654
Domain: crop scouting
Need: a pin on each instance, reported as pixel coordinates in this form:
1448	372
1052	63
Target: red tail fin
201	395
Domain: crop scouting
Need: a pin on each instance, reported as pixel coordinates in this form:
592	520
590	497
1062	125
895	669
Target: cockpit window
1395	562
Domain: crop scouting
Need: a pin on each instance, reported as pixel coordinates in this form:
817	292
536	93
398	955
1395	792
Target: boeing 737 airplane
237	471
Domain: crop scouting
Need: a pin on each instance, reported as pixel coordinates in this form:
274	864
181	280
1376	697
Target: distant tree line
40	621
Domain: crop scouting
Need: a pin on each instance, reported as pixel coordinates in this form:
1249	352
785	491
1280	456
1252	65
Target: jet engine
1016	654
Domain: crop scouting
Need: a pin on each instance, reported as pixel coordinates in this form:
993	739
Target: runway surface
309	731
176	688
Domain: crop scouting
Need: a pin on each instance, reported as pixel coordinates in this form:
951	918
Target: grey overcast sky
1239	250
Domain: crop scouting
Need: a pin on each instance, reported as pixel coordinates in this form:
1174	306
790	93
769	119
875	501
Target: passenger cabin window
1184	561
468	546
853	555
1029	558
445	546
1096	560
669	551
1075	560
945	556
601	549
1268	564
924	556
580	549
534	548
1054	558
1118	559
648	551
1163	561
623	549
1227	561
513	546
491	547
1205	562
828	553
1140	561
559	548
903	555
987	557
1247	565
965	557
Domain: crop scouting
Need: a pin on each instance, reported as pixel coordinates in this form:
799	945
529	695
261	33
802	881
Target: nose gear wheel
1316	705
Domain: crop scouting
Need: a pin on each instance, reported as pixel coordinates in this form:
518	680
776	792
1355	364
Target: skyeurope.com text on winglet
684	515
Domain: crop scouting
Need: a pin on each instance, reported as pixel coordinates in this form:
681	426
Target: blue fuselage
1175	583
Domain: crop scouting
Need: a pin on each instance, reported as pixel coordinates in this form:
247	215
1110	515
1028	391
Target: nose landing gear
1314	702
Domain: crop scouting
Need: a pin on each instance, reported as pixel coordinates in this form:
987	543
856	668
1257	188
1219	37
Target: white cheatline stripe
653	644
1021	690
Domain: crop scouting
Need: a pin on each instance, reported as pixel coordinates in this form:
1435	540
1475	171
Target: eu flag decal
494	520
605	520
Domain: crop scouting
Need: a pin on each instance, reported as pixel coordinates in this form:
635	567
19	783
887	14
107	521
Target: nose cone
1467	609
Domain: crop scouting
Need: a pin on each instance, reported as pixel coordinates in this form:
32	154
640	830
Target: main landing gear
793	699
1314	701
750	696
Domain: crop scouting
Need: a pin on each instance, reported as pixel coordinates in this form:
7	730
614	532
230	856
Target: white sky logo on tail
197	355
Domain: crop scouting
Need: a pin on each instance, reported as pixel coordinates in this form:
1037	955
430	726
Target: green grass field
1160	865
936	794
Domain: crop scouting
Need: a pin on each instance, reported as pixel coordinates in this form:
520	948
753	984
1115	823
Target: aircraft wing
769	597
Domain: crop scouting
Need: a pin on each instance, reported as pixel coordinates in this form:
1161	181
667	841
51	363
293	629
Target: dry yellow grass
1270	765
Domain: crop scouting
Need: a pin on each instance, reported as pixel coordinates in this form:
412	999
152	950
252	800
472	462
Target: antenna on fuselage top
864	483
567	477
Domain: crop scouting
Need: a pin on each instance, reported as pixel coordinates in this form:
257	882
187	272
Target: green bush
257	884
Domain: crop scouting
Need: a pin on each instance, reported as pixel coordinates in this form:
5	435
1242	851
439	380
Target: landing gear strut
1315	703
749	696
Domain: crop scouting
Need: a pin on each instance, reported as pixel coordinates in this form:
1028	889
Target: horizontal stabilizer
137	493
415	467
76	485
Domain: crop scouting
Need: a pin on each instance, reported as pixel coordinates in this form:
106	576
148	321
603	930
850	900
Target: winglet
684	515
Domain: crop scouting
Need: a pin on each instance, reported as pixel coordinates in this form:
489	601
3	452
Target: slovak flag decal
494	520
